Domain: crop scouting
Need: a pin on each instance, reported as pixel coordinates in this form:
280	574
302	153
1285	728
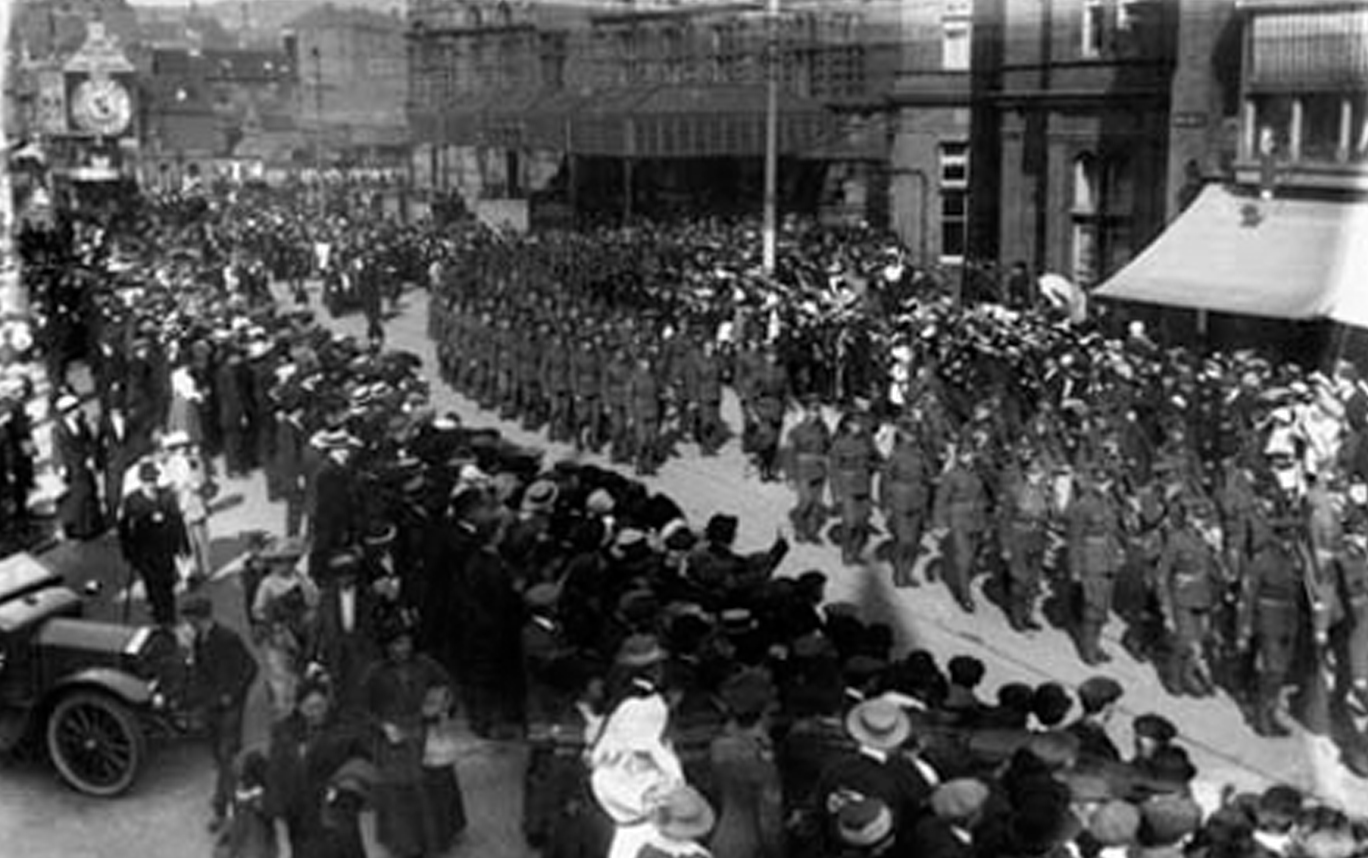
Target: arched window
1087	195
503	15
473	16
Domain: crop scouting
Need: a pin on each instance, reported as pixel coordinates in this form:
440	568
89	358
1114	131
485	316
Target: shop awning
1234	253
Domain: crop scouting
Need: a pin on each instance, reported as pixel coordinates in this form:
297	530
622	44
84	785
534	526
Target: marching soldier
854	460
905	492
1271	618
1188	581
1094	528
643	394
556	381
1025	524
769	401
703	390
961	511
617	377
529	396
586	376
810	442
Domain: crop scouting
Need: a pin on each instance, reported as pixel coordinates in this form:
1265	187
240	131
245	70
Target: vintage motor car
90	694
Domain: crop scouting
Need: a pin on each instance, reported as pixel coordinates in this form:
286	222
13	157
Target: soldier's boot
1266	720
902	569
850	545
1090	644
1197	676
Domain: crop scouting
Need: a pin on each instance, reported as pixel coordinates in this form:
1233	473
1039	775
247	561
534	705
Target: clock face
102	106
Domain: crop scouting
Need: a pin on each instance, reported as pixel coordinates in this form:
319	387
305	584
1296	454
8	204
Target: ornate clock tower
100	93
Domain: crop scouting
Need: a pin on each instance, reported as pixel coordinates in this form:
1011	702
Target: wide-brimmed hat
879	724
179	438
66	402
864	822
640	651
540	496
684	814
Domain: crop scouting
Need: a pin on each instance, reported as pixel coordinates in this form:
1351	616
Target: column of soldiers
1102	475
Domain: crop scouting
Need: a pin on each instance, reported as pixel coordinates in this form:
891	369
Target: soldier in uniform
643	394
556	381
1025	525
904	494
810	442
1188	581
617	377
586	376
854	459
1271	618
961	511
703	390
769	401
529	396
1095	552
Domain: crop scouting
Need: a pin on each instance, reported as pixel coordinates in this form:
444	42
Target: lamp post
769	229
317	56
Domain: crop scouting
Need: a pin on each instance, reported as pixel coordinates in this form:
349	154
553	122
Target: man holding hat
223	671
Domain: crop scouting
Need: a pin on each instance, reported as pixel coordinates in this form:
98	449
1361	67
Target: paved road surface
164	816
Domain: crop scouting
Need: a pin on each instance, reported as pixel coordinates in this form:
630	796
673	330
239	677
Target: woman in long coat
750	819
417	813
75	450
307	749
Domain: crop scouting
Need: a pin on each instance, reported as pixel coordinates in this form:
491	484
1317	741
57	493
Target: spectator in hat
397	694
342	637
224	671
490	617
680	824
864	826
880	767
948	832
333	505
74	451
307	748
1166	824
631	760
750	824
1050	705
1112	831
1097	696
281	614
184	471
151	536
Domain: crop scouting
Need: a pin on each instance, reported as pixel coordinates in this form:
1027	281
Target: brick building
930	116
1276	250
353	84
219	112
621	108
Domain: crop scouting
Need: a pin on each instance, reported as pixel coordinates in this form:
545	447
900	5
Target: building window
1086	217
955	32
1273	119
1358	129
954	201
1103	205
1094	27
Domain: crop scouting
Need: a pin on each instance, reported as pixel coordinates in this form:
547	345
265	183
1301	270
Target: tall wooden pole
770	228
13	301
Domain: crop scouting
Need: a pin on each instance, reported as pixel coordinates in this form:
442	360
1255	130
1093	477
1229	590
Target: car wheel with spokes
95	742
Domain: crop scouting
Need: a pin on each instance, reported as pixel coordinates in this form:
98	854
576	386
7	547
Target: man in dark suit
152	535
333	507
224	671
344	630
